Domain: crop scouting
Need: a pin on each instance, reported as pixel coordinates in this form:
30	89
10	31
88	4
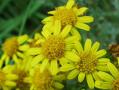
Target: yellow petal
23	47
54	67
63	61
66	30
15	58
95	75
46	32
36	60
95	46
3	57
73	74
113	70
12	77
103	85
85	19
82	26
90	81
103	61
52	12
44	65
20	54
67	67
47	19
100	53
34	51
87	45
78	47
1	63
102	68
7	60
58	85
22	39
10	83
75	32
81	77
57	27
105	76
72	39
82	10
8	68
72	56
70	4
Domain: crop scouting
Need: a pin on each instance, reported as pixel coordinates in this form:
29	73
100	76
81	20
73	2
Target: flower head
69	14
89	63
21	69
13	48
44	80
54	47
108	82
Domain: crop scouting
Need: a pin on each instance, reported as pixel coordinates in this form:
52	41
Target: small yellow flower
54	47
21	69
7	77
44	80
13	48
108	82
69	14
89	63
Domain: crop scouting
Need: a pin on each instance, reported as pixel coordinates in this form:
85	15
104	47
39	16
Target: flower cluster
56	54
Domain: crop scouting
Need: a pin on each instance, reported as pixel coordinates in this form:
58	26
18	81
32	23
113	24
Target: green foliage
24	16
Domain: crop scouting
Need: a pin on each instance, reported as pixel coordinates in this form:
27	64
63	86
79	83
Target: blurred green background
18	17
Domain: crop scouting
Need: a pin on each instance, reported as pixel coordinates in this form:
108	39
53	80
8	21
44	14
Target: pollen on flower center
88	62
66	16
54	47
116	85
42	81
10	46
2	77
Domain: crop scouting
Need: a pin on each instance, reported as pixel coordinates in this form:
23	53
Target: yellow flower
13	48
21	69
7	77
54	47
89	63
68	14
108	82
44	80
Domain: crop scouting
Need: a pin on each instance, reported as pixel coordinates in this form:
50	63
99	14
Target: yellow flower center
20	81
10	46
42	81
66	16
53	47
116	85
2	77
88	62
